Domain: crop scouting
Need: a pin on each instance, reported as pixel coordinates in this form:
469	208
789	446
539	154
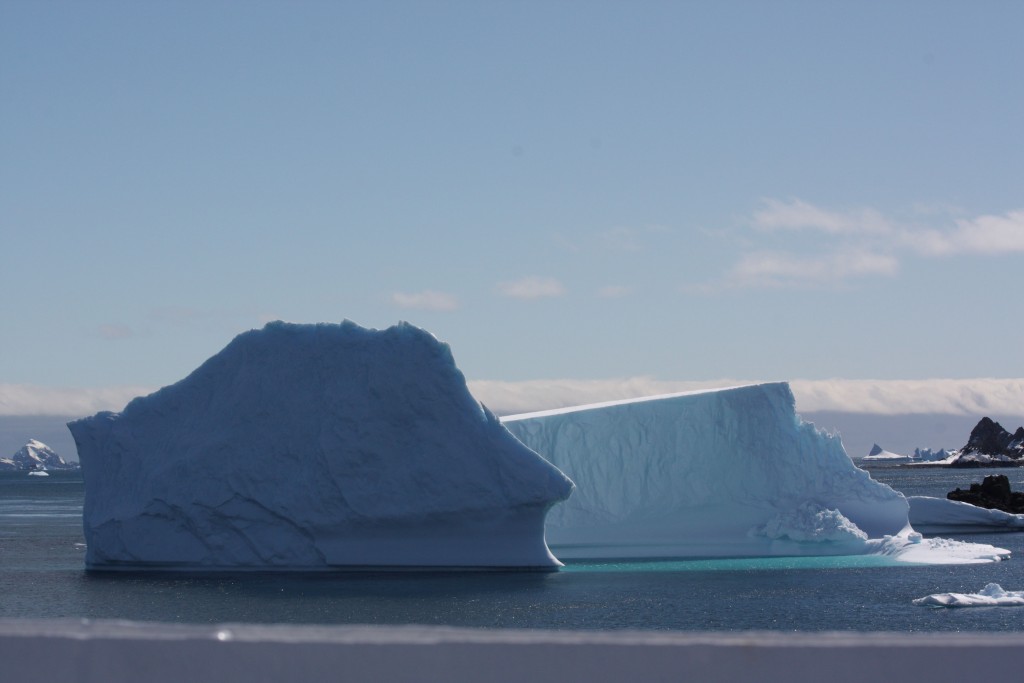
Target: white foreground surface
991	595
125	652
941	515
725	473
314	447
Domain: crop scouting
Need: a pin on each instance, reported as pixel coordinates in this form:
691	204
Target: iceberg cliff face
312	447
732	472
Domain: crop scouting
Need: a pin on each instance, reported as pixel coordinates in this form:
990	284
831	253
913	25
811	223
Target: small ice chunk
991	595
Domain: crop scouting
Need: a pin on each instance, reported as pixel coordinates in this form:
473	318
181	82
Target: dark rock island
992	493
990	445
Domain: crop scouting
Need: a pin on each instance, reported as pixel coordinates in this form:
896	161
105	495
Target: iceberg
941	515
725	473
992	595
310	447
879	454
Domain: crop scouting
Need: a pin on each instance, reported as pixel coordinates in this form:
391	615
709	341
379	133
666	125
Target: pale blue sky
686	191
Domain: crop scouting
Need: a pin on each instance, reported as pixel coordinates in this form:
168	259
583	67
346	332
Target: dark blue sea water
41	575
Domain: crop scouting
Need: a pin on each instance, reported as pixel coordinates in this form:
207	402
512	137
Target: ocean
42	576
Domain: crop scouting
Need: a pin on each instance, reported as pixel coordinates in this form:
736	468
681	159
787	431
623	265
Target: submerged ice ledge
723	473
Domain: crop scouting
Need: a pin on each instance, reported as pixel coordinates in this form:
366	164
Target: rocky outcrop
992	446
989	438
993	493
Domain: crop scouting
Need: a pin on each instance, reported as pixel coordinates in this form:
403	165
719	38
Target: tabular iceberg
941	515
314	447
731	472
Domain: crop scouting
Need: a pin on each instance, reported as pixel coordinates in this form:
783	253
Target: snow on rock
35	455
314	447
991	595
941	515
730	472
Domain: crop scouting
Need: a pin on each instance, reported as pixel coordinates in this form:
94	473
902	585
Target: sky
662	193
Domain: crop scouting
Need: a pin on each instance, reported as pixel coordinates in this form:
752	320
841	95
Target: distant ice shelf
724	473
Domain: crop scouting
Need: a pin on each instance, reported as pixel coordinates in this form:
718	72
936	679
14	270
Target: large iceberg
731	472
314	447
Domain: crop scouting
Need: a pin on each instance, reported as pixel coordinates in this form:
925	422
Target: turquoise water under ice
41	575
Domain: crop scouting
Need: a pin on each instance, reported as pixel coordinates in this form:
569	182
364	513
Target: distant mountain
35	455
990	444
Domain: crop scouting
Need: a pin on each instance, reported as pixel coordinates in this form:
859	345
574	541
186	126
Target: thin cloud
26	399
858	243
510	398
968	397
533	287
800	215
982	396
427	300
780	269
981	235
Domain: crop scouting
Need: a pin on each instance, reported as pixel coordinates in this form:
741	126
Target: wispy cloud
981	235
533	287
978	397
858	242
508	398
427	300
799	215
971	397
27	399
780	269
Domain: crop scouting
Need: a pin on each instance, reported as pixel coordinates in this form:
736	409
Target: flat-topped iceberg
314	447
944	516
725	473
